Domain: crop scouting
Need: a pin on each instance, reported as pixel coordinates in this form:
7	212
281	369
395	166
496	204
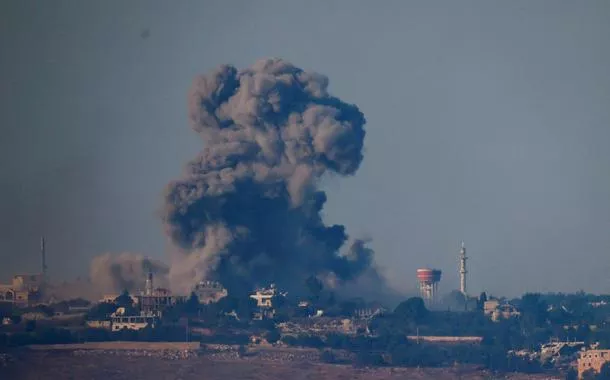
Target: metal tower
43	254
463	270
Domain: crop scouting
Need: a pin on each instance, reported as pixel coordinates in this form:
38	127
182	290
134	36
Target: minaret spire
463	270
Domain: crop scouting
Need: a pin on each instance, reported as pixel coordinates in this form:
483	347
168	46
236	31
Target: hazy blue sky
488	121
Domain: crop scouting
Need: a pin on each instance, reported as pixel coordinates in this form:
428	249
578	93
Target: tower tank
428	280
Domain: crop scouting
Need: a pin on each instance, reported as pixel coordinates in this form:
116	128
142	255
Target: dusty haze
486	122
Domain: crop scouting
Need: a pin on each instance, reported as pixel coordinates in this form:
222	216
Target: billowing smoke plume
247	211
126	271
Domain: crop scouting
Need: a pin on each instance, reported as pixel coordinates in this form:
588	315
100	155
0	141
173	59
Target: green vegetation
573	317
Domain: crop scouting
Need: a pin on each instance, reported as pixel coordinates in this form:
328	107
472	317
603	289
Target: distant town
564	335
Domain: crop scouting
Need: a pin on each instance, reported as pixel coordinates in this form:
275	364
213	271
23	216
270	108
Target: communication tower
43	257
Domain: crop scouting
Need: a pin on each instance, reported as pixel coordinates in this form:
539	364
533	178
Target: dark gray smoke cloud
247	210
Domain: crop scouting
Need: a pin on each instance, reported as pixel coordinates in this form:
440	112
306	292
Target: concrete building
496	311
592	360
157	300
264	301
264	297
445	339
111	297
119	320
209	292
24	290
490	306
368	313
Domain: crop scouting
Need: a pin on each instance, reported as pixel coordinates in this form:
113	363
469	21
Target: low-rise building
264	297
158	300
321	326
99	324
446	339
109	298
32	282
132	322
368	313
264	301
552	349
601	303
496	310
592	360
209	292
119	320
24	290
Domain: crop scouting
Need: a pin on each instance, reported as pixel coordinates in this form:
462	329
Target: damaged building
24	290
209	292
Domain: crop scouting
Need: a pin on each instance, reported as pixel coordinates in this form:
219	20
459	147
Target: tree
315	287
30	326
589	375
533	311
572	374
455	301
604	373
327	357
367	359
101	311
348	307
273	336
244	306
412	309
278	301
482	300
78	302
191	306
6	309
124	300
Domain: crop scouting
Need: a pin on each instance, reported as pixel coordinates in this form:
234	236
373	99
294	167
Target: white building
264	297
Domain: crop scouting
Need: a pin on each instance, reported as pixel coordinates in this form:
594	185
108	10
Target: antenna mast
43	254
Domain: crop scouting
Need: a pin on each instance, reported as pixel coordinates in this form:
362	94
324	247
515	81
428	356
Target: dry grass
64	365
149	346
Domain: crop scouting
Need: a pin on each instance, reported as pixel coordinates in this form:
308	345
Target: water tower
428	284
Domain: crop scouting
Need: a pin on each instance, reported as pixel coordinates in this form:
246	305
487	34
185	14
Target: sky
487	122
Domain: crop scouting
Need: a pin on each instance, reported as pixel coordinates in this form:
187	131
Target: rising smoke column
126	271
247	210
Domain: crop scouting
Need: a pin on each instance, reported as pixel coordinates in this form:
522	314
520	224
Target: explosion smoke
126	271
247	211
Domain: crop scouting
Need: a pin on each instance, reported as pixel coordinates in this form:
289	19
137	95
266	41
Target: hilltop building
26	289
592	360
209	292
264	301
155	300
109	298
264	296
496	311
